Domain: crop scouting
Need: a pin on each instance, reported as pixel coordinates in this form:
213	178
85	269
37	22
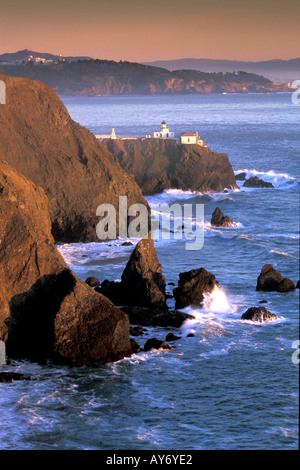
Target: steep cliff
45	311
159	164
40	140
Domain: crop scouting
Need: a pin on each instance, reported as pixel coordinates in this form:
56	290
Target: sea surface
234	384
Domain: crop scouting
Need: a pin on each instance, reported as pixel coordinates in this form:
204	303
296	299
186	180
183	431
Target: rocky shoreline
46	312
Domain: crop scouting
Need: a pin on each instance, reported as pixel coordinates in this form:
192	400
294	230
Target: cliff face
45	311
159	164
40	140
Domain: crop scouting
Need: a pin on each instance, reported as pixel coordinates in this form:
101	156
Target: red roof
189	134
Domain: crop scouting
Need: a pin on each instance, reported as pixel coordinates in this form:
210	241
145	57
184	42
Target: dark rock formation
154	343
172	337
136	330
142	283
45	311
150	317
126	244
219	220
255	182
92	282
270	280
40	140
298	285
240	176
8	377
259	314
159	164
136	348
192	286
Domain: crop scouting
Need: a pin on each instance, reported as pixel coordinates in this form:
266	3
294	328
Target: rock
190	335
240	176
219	220
142	282
92	282
45	311
263	302
8	377
127	244
255	182
149	317
159	164
298	285
192	286
270	280
136	348
40	140
154	343
171	283
259	314
136	330
172	337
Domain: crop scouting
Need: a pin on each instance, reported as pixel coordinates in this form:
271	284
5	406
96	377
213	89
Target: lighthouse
164	132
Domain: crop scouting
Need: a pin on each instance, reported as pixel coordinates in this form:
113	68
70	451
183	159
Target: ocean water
233	385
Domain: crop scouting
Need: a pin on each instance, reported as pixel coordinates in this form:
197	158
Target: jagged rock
8	377
255	182
154	343
142	283
40	140
149	317
172	337
159	164
45	311
219	220
136	348
136	330
259	314
270	280
240	176
192	286
92	282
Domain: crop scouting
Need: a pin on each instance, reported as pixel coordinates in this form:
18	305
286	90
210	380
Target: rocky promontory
159	164
40	140
45	310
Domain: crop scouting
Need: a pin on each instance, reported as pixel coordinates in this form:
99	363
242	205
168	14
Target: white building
164	132
191	138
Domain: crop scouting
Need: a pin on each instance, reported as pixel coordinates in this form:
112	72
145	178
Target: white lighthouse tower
164	132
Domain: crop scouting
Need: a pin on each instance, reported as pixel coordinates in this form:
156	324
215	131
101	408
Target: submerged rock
172	337
240	176
149	317
271	280
219	220
45	310
255	182
154	343
8	377
192	286
259	314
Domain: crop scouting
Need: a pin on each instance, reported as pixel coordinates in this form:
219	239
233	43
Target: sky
142	31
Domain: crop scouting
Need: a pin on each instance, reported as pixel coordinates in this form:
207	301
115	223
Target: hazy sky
140	30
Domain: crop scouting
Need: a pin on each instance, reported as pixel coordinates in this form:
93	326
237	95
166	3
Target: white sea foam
279	180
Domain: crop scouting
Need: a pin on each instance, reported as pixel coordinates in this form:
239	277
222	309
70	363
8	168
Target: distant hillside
276	70
26	54
102	77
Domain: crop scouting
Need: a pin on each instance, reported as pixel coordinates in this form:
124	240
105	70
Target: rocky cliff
45	311
159	164
40	140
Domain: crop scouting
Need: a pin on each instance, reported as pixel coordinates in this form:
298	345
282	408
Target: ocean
233	385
